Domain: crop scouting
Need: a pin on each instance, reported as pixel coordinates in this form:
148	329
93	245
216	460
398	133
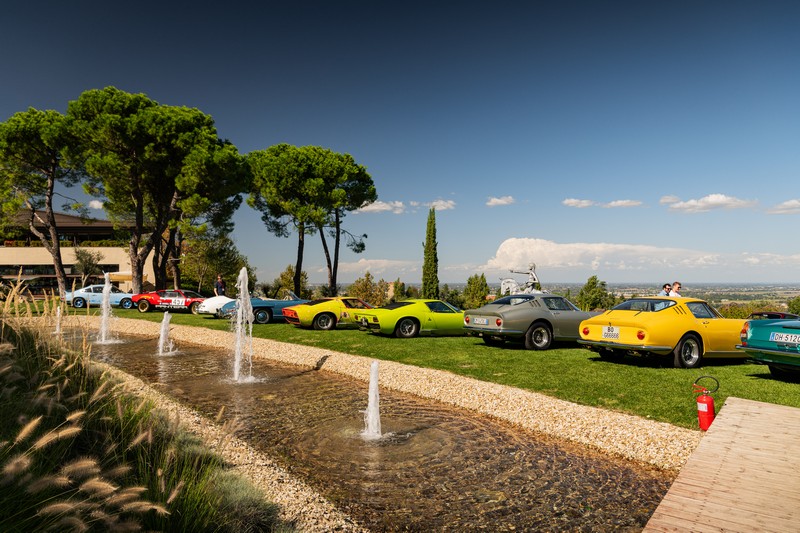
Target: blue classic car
775	343
265	310
93	295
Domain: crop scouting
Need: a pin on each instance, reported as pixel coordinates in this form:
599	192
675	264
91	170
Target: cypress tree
430	265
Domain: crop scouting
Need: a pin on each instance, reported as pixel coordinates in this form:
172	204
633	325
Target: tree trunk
175	256
334	281
50	241
298	268
331	284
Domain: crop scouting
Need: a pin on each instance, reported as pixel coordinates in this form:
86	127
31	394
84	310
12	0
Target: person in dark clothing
219	286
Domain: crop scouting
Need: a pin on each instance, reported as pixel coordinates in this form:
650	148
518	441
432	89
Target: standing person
676	289
219	286
666	289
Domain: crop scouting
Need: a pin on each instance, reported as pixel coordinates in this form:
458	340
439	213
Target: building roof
68	222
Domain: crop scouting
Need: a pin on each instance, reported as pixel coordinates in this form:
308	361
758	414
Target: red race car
168	299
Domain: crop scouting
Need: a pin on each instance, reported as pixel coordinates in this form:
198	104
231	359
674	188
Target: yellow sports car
686	328
324	313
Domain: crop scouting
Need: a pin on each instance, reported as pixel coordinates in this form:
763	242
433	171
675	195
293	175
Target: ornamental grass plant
77	454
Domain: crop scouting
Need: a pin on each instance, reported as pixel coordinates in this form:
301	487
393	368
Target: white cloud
377	267
627	262
381	207
710	202
503	200
786	208
95	204
574	202
581	204
623	203
442	205
669	199
517	253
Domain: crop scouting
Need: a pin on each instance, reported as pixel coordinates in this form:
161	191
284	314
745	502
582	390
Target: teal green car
410	318
775	343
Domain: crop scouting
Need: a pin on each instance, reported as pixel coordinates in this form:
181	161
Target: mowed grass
646	387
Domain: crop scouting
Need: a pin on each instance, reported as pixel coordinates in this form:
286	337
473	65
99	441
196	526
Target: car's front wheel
126	303
80	303
144	306
538	336
195	308
262	316
324	321
689	352
406	328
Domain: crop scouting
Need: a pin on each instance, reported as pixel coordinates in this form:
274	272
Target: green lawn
636	385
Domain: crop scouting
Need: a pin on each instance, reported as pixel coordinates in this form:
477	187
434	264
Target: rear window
396	305
646	306
514	300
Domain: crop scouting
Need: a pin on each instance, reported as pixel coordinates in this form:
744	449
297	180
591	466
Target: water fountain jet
165	344
57	330
104	335
372	416
243	329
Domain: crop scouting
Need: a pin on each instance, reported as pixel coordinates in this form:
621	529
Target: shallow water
436	467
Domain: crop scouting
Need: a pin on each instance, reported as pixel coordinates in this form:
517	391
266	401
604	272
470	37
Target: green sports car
775	343
410	318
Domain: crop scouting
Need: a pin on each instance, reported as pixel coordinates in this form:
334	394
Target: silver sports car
536	319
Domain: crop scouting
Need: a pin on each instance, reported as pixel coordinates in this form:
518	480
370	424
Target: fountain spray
243	329
372	416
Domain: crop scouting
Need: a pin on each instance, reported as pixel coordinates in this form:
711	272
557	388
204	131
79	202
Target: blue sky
635	141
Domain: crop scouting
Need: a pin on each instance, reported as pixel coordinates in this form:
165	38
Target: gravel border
654	443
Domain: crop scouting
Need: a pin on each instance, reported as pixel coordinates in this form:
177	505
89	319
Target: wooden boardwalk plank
743	477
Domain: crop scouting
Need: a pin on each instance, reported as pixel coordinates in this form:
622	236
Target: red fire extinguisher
705	403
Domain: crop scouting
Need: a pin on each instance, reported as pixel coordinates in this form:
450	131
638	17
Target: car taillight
499	322
466	320
640	335
375	319
585	331
743	334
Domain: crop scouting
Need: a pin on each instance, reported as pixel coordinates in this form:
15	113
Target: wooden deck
743	477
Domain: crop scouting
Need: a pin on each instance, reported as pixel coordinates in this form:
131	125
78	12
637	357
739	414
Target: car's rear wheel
144	306
493	341
689	352
406	328
538	336
324	321
195	308
79	303
126	303
262	316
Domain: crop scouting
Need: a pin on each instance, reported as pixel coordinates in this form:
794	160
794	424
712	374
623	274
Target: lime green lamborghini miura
410	318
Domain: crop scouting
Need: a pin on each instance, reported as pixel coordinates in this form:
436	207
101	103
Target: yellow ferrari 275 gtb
686	328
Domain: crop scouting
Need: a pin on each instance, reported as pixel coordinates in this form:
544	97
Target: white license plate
481	321
791	338
610	332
